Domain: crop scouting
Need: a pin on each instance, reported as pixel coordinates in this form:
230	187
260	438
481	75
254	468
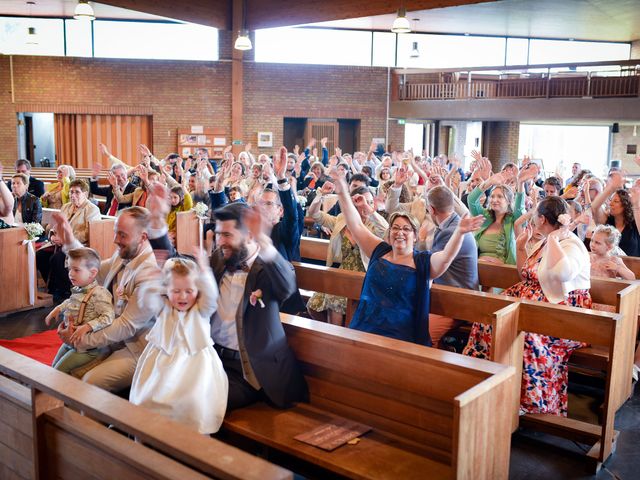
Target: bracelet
282	181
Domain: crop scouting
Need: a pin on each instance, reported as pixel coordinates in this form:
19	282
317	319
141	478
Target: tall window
47	38
314	46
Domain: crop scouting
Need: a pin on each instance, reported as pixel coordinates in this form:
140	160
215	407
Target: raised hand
327	188
187	164
296	150
144	150
401	177
112	180
524	237
63	228
247	147
338	152
257	223
312	143
280	163
143	174
616	180
158	201
470	224
323	142
96	168
104	150
528	172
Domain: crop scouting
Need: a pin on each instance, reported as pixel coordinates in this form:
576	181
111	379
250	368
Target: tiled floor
533	455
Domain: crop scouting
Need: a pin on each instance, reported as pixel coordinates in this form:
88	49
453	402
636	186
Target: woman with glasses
395	295
343	248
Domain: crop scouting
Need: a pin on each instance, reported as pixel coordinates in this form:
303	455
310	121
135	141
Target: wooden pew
15	281
188	232
54	426
633	264
622	295
510	318
101	236
313	249
432	413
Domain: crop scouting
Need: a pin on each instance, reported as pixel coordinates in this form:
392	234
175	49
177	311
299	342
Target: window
384	49
517	51
313	46
177	41
78	35
448	51
15	38
558	146
560	51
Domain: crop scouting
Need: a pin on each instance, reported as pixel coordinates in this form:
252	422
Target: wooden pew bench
54	426
432	413
622	296
15	282
510	318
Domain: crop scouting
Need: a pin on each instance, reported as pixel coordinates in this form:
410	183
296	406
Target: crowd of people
196	336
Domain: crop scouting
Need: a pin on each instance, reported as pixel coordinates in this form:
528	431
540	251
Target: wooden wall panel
79	135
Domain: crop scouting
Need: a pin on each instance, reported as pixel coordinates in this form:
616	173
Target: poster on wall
265	139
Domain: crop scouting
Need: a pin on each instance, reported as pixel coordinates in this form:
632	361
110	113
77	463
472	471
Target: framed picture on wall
265	139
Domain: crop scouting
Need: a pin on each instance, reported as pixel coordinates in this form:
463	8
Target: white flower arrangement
301	200
34	230
564	219
200	209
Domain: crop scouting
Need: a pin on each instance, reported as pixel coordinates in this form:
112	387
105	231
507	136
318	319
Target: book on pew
334	434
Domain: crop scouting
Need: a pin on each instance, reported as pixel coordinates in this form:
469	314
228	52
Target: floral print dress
545	370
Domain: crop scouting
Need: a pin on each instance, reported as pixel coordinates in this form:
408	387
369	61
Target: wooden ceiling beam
279	13
212	13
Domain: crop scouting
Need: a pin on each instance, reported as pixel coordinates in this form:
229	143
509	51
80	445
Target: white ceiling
65	8
611	20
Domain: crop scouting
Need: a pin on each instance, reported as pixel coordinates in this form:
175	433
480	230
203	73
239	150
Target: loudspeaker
615	164
615	128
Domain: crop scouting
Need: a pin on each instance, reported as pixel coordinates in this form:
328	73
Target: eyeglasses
406	230
265	203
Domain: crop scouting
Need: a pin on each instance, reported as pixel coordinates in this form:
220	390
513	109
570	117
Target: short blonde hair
611	234
89	255
408	217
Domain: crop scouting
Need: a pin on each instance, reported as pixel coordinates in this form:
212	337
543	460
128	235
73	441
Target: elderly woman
57	193
27	207
314	179
395	294
51	261
496	239
624	212
557	270
343	248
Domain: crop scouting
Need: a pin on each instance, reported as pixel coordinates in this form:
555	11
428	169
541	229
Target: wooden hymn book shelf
213	139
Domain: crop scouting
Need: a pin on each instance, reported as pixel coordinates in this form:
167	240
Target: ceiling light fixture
401	24
32	36
415	53
243	42
84	11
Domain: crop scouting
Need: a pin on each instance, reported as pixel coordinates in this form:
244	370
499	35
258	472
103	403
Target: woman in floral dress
556	271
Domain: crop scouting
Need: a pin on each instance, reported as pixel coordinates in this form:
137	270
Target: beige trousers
115	372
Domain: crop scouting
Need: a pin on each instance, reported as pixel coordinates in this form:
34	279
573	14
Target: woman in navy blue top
395	295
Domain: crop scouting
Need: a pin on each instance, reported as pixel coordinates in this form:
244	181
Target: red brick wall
500	142
180	94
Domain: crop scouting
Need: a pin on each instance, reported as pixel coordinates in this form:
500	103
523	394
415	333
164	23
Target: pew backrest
101	236
56	427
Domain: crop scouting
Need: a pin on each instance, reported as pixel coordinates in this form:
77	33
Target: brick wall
500	142
180	94
619	142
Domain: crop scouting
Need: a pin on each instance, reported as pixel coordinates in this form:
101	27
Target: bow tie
240	266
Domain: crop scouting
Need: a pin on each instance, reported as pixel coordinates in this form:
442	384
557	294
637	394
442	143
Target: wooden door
78	137
323	128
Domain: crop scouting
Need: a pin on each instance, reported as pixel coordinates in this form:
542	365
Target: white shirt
223	330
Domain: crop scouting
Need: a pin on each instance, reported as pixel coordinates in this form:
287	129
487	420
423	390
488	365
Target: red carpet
40	346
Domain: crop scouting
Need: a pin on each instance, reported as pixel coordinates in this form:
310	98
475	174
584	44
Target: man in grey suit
254	279
463	272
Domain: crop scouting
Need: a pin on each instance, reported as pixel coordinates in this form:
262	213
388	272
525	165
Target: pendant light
32	35
415	53
243	42
84	11
401	24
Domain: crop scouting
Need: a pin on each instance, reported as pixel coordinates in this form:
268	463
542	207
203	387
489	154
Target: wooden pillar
237	98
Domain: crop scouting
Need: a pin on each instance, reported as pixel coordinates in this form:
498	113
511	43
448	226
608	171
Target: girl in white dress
179	373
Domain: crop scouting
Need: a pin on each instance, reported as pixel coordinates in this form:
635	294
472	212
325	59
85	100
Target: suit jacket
133	319
108	193
273	362
31	208
36	187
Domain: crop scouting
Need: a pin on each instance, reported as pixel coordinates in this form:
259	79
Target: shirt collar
84	289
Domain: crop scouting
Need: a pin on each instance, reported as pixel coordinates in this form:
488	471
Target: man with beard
123	274
254	279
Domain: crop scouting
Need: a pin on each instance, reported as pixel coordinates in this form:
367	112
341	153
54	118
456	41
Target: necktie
113	208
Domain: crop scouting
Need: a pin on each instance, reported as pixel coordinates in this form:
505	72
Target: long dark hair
625	200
